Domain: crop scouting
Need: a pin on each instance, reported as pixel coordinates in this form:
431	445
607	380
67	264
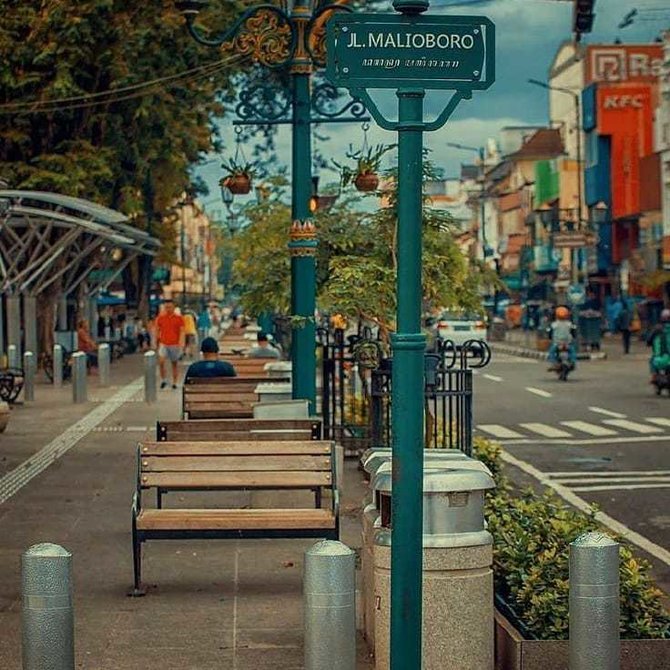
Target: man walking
623	322
171	336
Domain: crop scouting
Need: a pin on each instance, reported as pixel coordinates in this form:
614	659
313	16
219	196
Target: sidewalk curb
523	352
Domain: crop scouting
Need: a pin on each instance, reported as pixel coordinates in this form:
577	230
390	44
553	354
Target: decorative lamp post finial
411	6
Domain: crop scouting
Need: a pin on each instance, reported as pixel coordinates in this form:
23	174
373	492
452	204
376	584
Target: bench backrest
223	430
248	366
234	399
266	464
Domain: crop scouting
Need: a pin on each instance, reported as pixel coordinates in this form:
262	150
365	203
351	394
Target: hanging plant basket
238	184
366	181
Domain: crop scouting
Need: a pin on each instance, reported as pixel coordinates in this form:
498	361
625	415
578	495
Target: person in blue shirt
210	365
204	323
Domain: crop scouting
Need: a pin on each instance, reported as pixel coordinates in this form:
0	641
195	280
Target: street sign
576	294
389	51
573	240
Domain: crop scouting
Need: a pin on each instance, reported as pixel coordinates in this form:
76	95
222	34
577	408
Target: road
603	437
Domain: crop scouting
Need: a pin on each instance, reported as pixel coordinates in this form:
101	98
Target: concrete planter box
274	392
283	409
4	416
514	652
279	370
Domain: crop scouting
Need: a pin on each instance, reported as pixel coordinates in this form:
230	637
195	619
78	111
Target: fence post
29	376
79	390
150	395
330	606
58	365
12	356
47	609
103	364
594	603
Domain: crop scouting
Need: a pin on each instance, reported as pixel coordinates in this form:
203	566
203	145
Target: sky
528	34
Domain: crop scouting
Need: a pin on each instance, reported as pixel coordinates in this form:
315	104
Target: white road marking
619	487
540	392
610	480
16	479
498	431
633	426
607	412
493	378
544	429
659	420
622	473
590	428
632	439
137	429
569	496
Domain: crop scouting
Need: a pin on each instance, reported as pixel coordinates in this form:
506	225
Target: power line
86	100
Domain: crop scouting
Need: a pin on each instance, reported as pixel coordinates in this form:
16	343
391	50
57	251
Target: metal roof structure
47	237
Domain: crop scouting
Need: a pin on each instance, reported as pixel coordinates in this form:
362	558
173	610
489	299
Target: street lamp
291	36
487	251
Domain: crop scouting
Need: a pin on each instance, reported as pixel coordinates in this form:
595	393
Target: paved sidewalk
215	604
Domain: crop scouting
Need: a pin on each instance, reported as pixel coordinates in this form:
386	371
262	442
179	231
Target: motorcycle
564	365
661	381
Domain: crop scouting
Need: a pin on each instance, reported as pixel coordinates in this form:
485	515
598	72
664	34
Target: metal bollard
58	365
47	611
150	394
29	369
330	606
12	356
79	381
103	364
594	603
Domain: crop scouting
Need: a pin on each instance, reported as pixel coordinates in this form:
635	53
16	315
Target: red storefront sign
624	63
625	114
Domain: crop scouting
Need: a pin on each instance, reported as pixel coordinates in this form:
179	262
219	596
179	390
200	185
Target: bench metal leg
137	591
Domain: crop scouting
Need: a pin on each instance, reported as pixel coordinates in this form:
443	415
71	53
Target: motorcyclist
660	346
562	331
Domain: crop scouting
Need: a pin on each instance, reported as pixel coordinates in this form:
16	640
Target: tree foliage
356	262
132	150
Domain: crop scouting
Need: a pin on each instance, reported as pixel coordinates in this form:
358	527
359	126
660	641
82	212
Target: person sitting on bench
210	366
263	349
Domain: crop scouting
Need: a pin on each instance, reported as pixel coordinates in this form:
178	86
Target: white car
459	327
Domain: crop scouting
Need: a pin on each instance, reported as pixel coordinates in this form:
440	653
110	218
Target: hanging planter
364	175
239	171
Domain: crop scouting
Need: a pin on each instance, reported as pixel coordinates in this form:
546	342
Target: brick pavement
222	604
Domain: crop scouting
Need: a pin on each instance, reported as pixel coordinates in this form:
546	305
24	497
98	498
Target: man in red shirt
170	335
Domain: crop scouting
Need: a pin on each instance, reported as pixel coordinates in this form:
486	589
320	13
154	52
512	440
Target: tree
130	150
356	262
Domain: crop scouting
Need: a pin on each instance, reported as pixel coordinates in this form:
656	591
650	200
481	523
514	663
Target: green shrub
531	535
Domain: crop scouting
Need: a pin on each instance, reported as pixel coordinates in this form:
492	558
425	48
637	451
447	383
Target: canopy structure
47	238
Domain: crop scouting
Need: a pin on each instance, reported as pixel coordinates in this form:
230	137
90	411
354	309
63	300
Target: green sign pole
410	53
408	389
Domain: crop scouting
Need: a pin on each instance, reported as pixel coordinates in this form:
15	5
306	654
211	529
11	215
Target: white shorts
171	352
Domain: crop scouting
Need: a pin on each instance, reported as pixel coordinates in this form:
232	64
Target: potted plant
364	175
238	179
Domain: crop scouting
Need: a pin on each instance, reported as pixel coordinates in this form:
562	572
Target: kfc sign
624	63
623	102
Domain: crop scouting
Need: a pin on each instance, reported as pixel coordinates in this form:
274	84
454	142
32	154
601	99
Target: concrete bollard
150	384
79	381
330	606
12	356
103	364
29	370
58	365
594	603
47	610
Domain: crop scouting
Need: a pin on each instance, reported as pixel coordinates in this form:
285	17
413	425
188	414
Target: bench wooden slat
235	519
219	398
241	424
279	435
232	463
226	381
247	448
241	480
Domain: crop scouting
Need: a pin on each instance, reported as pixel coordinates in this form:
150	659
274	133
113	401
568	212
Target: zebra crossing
649	427
585	482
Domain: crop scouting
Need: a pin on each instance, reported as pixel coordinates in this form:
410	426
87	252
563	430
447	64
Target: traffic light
582	17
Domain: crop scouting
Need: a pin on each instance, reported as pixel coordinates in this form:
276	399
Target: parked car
459	327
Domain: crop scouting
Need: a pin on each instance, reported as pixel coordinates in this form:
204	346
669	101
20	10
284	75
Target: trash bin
457	576
374	461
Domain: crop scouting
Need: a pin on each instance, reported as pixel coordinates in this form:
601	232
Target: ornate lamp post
290	37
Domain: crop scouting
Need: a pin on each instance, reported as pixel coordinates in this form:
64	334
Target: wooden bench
221	466
219	400
248	367
226	430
